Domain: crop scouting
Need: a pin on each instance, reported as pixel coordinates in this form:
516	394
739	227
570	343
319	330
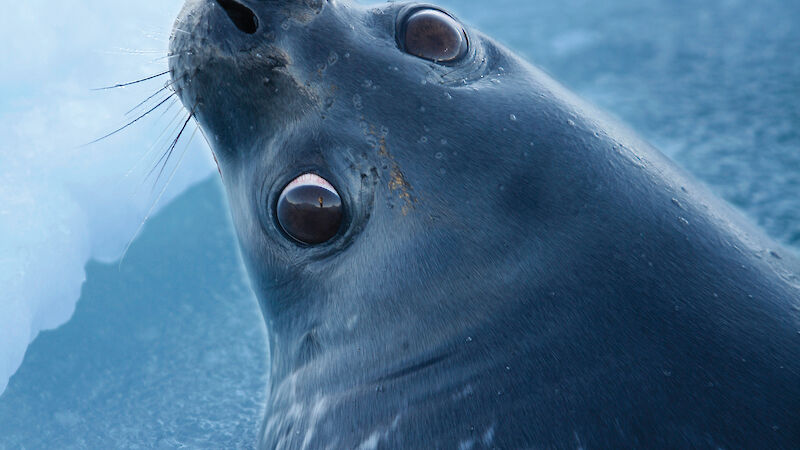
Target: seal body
514	269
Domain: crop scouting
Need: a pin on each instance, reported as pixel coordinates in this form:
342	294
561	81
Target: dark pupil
434	35
310	214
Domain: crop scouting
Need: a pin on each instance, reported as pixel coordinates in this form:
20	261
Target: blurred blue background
166	349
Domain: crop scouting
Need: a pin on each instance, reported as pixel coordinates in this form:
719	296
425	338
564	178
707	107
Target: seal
452	250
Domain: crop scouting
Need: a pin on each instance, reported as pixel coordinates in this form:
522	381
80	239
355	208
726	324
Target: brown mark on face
397	180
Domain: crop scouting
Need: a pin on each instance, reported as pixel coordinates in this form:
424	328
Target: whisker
170	125
158	199
132	82
203	133
176	130
171	55
165	157
167	154
174	101
156	33
167	86
132	121
205	138
130	51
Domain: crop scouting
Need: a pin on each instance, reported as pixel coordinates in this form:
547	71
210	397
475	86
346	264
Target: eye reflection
432	34
310	210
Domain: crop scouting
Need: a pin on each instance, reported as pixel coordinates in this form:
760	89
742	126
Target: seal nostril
243	17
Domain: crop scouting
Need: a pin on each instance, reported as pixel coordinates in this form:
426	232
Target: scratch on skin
397	180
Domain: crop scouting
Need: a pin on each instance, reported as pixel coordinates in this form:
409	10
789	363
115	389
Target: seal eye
432	34
310	210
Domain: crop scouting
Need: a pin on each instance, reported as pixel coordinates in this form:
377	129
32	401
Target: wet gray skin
513	269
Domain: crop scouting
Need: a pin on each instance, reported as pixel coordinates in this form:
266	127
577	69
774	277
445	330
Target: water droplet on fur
513	117
332	58
439	155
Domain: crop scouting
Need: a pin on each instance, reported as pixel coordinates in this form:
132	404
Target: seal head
510	268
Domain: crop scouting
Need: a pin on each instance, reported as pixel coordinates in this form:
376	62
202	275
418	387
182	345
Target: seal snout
243	17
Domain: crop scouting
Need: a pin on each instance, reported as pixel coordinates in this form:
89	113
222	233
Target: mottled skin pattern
516	270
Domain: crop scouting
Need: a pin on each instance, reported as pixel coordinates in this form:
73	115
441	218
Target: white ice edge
62	204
